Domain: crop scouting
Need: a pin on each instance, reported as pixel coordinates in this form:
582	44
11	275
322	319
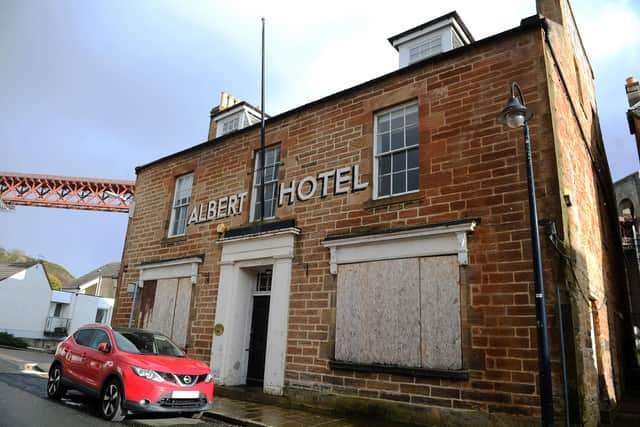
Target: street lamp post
516	115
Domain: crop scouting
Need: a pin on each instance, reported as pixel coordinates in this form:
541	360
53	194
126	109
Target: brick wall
593	278
470	166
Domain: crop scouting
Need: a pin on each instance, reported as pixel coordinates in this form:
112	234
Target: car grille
167	402
184	380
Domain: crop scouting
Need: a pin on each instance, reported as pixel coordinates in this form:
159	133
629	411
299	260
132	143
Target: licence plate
185	394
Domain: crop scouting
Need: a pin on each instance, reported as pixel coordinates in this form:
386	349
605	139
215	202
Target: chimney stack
226	101
633	91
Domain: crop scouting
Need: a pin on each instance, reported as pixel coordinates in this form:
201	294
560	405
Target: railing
56	327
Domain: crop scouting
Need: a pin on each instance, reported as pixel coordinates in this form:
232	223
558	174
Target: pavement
229	410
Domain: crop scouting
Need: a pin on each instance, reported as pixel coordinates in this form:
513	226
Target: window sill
460	375
170	241
376	203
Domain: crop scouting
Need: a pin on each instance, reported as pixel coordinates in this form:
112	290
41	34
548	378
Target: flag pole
262	154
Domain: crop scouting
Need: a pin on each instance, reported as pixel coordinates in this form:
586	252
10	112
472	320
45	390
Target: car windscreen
141	342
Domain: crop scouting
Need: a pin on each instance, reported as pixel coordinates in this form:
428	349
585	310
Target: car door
96	363
76	354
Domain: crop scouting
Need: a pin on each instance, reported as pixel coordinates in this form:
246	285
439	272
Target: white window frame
175	208
255	187
429	47
231	123
263	273
376	154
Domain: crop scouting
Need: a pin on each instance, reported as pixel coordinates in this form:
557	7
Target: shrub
11	341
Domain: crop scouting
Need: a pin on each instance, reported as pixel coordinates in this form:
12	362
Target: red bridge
66	192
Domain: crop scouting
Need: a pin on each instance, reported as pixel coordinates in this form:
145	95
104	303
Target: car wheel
111	401
55	389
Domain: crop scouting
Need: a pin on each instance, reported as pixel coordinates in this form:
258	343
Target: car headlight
208	378
147	373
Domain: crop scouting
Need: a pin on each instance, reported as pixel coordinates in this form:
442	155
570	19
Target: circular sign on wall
218	329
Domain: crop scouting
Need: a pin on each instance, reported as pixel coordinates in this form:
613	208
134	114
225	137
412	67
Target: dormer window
230	124
232	115
425	49
432	38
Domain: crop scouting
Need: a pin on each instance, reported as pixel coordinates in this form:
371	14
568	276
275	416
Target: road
24	403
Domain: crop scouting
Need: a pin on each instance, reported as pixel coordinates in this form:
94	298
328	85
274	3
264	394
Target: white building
32	310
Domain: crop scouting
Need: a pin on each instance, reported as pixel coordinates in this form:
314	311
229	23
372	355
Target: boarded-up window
403	312
164	307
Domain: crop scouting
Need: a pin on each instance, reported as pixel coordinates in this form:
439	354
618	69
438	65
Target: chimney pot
633	91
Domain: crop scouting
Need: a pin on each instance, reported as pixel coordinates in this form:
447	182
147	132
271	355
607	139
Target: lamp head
514	114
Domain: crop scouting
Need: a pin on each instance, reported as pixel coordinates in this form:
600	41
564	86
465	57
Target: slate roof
8	269
108	270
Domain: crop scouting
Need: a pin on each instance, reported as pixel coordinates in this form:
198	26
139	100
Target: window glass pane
412	158
270	157
269	173
264	281
411	115
399	161
397	139
181	200
383	143
84	337
399	182
384	185
268	191
268	208
99	337
397	132
412	180
384	165
383	123
397	119
412	136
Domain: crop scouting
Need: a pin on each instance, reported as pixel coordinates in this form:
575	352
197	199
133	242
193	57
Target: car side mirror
104	347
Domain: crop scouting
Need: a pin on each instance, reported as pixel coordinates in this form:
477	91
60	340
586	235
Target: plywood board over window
402	312
165	307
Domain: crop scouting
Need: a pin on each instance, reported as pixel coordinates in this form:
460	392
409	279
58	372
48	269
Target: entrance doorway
259	328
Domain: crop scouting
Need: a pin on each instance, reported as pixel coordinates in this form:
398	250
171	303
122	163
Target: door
258	339
96	362
76	355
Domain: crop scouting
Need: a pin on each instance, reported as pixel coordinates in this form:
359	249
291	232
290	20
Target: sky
96	88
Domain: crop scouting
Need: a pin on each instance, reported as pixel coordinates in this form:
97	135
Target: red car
130	370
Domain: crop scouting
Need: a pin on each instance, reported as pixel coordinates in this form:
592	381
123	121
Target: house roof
108	270
11	268
449	15
527	24
633	111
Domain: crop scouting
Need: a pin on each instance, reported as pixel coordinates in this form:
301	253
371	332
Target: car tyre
55	388
112	401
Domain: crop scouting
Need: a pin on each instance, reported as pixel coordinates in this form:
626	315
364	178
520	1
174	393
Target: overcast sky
96	88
